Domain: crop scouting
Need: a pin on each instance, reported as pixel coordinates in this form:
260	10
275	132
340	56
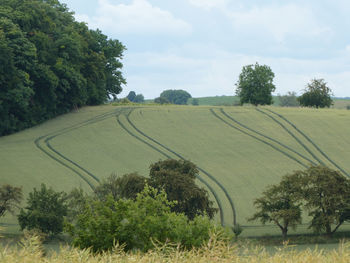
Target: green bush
138	224
45	211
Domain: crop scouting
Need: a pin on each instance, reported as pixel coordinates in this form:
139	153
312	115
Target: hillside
239	150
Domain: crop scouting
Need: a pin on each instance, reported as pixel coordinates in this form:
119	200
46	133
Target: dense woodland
51	64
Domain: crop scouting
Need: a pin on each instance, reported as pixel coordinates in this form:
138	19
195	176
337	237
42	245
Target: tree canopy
51	64
10	198
280	205
45	210
326	194
255	85
323	192
317	94
176	96
177	178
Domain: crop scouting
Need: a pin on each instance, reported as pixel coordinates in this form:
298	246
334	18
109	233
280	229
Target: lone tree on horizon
317	94
255	85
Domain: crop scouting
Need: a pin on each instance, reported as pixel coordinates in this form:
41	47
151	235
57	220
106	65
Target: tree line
255	86
51	64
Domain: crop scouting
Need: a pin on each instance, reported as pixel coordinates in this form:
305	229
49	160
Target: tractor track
74	167
267	137
291	134
310	141
258	139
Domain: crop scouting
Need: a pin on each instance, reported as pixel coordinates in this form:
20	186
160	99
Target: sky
201	45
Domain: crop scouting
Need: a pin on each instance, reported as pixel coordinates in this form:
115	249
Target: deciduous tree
255	85
326	194
280	205
176	96
45	211
10	198
317	94
177	178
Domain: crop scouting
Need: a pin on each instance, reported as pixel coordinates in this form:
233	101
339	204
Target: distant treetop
255	85
176	96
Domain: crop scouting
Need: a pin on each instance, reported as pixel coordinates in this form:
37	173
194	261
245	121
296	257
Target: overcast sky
201	45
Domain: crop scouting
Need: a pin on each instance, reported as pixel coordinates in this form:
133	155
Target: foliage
255	85
131	96
177	178
45	211
76	201
348	107
126	186
280	205
51	64
195	102
161	100
317	94
139	98
138	224
176	96
326	194
10	198
288	100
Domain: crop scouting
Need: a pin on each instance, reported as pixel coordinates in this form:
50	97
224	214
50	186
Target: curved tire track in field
51	152
258	139
310	141
37	144
179	156
267	137
291	134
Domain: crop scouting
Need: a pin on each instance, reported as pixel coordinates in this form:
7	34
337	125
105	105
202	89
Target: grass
239	150
31	250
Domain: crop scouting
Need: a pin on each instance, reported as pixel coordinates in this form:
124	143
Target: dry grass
31	250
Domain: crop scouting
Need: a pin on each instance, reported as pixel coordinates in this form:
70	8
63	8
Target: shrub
45	211
138	224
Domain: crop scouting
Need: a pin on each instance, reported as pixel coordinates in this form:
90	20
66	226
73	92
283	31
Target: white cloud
279	21
347	48
139	17
208	4
217	74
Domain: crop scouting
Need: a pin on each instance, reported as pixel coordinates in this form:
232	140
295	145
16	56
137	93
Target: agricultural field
238	150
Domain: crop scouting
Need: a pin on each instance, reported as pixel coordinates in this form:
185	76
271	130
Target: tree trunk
284	233
329	230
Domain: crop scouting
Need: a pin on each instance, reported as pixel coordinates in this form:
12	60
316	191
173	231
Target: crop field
238	150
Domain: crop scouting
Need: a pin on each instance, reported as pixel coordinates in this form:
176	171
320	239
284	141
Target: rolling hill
238	150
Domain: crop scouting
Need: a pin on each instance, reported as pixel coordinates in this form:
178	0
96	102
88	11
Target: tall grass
31	250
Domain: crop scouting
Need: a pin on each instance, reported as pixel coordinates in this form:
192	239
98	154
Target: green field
239	150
